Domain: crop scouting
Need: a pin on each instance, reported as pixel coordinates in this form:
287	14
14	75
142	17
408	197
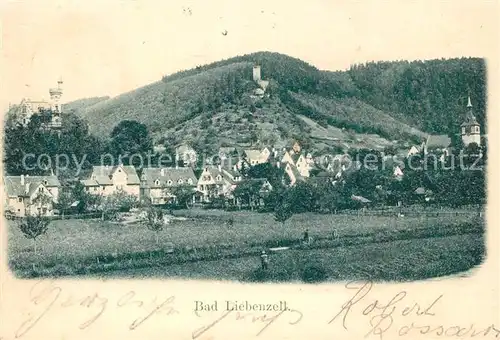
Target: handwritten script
382	315
50	297
399	315
265	320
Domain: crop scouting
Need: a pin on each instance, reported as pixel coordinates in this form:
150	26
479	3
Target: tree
33	227
155	221
64	201
117	201
282	212
130	137
274	175
183	195
248	190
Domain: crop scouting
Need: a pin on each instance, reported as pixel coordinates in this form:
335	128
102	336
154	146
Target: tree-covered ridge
80	104
395	100
432	94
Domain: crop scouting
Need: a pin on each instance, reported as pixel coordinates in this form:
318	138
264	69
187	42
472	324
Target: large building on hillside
28	108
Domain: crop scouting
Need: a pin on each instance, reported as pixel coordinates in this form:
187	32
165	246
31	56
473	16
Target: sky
107	47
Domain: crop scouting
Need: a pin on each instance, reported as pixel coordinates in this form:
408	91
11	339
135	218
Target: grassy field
391	261
73	242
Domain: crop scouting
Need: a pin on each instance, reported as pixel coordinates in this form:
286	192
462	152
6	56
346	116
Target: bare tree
155	221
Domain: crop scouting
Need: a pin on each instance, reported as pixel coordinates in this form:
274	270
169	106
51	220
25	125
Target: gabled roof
14	188
89	183
360	199
253	154
438	141
156	178
102	174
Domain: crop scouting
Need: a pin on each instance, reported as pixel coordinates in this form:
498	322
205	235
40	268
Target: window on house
18	209
169	182
463	130
45	182
219	178
95	189
19	199
40	189
157	182
180	181
190	181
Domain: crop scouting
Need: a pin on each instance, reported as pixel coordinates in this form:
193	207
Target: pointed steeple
469	104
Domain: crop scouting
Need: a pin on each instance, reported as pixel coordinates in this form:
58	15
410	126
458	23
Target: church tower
471	131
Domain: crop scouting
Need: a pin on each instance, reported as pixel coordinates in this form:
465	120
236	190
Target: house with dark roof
158	185
216	181
106	180
31	195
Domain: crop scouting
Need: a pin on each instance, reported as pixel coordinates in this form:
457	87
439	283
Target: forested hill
211	104
432	94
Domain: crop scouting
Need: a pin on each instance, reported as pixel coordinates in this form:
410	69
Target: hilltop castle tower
471	131
256	73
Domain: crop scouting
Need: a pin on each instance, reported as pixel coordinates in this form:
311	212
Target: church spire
469	104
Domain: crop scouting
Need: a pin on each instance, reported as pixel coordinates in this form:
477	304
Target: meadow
77	245
403	260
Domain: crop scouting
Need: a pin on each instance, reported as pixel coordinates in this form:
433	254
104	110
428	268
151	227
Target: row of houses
36	194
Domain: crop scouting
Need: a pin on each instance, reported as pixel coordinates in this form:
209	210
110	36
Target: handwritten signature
267	320
49	296
382	314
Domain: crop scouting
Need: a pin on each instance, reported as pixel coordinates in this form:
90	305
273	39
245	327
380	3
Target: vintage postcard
249	169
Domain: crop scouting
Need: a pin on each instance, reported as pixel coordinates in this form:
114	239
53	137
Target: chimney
219	167
162	172
22	179
27	188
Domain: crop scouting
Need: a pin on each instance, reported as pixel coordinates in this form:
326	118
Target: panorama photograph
263	166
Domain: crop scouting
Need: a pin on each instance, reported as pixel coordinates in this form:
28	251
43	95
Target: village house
106	180
216	181
185	154
437	144
254	156
158	185
304	164
264	188
414	150
31	195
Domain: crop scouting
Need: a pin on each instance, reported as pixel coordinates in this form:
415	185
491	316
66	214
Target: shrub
314	273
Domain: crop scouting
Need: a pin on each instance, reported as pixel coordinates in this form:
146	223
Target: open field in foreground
391	261
78	243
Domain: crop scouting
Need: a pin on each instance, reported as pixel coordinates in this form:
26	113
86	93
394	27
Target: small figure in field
307	238
335	234
264	259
